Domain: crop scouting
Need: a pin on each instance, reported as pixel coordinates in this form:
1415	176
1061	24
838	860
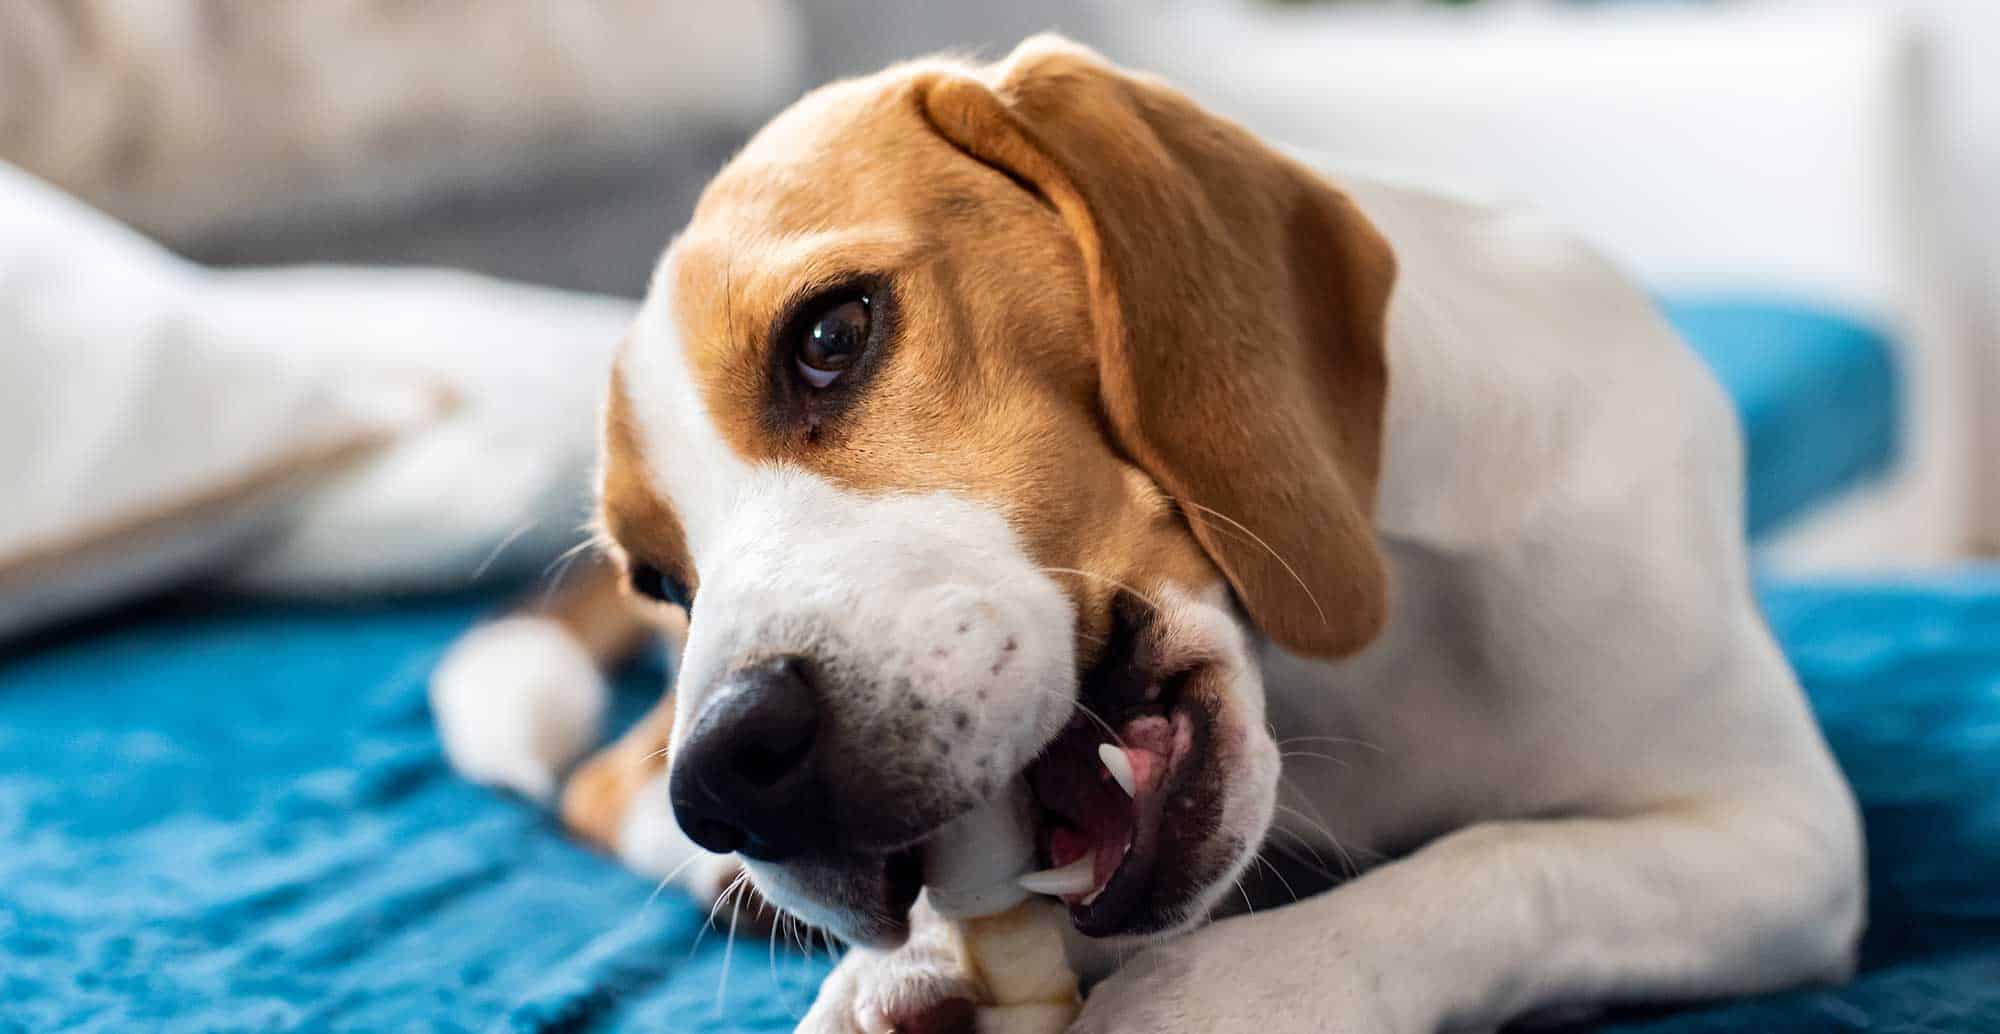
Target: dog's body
1531	702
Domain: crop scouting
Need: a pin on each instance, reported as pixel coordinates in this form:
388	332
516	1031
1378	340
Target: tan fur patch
1239	304
1161	360
635	515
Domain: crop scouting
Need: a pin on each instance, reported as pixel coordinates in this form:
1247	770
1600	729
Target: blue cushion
1817	393
225	818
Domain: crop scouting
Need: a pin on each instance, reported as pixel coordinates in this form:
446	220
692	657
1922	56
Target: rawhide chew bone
1011	939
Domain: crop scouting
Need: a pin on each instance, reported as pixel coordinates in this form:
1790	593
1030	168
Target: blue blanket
222	818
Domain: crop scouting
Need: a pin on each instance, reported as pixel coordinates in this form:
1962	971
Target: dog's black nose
746	778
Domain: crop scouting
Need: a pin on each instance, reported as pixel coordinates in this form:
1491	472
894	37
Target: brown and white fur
1417	500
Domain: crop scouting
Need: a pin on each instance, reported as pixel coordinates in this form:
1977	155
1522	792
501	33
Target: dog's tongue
1149	742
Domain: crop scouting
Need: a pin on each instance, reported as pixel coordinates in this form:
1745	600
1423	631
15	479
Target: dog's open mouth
1102	791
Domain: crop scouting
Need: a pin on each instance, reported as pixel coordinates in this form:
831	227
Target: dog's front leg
1504	919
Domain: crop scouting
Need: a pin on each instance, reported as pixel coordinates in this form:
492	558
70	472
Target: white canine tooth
1074	878
1091	898
1120	767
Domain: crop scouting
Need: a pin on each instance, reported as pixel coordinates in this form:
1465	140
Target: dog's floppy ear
1238	303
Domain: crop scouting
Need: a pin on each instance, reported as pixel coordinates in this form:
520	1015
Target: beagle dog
985	415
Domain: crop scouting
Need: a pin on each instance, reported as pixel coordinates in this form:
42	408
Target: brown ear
1238	302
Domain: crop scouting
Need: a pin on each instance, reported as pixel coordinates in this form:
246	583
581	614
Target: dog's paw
517	702
1238	976
922	987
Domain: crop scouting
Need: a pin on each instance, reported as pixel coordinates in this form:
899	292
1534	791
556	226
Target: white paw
918	988
517	702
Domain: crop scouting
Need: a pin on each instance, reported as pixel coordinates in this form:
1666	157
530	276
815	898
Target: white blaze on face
894	596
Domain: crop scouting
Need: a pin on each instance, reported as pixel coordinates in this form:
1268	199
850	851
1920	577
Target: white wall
1964	41
1774	149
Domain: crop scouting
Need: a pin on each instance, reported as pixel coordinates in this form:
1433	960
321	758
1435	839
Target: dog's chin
861	899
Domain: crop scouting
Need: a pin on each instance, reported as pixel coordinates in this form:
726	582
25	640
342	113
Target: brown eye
833	341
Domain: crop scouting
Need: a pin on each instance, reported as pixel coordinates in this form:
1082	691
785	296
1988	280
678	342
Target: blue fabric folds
218	818
223	819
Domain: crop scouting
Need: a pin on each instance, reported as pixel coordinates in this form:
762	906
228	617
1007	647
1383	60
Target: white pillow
140	438
500	485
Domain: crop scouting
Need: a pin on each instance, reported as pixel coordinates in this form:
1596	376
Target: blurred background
312	302
1812	188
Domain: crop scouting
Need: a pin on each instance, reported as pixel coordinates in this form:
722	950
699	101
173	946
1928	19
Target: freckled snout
747	778
858	671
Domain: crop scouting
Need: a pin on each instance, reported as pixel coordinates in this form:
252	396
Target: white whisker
1088	712
1248	908
1148	600
591	539
669	878
1335	740
1320	827
729	947
741	875
501	547
1254	537
771	943
1310	754
561	564
1318	863
1260	860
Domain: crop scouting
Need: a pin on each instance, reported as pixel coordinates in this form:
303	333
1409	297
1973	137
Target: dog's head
986	415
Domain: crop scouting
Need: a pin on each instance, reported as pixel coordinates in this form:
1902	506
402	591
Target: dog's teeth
1120	767
1091	898
1074	878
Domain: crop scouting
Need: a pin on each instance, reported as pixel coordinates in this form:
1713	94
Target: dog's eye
832	341
654	584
